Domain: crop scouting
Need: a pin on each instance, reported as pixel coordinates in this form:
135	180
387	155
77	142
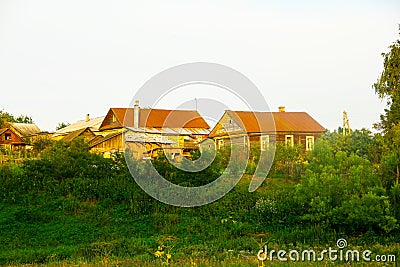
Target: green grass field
73	208
66	231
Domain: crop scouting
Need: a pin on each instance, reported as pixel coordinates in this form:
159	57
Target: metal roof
93	124
157	118
258	122
25	129
171	131
72	135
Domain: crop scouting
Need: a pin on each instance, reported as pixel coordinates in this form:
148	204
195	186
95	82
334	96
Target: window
113	119
220	143
264	139
309	143
7	137
289	140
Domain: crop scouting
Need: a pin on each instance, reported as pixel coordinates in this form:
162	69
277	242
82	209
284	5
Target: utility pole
346	124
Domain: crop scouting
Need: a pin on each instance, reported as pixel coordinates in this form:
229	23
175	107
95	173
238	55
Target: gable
86	132
115	118
8	136
226	124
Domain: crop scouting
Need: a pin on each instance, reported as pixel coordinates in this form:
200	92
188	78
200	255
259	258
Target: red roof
257	122
296	122
155	118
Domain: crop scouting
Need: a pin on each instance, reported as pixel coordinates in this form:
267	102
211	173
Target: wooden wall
13	143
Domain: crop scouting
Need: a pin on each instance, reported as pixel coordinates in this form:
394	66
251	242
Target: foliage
7	117
388	87
24	119
42	143
70	204
359	142
288	161
352	198
181	177
61	125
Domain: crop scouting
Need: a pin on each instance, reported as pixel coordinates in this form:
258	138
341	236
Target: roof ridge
159	109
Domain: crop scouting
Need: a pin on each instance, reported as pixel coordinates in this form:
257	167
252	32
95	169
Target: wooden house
244	127
108	144
86	133
15	136
92	124
140	145
146	130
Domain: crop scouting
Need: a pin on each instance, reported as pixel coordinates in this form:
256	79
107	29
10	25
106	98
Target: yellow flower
158	253
168	256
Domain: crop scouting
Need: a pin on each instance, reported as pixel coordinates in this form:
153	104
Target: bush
368	212
184	178
288	161
343	192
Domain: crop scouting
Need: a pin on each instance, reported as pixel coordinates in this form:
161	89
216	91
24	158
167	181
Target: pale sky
60	60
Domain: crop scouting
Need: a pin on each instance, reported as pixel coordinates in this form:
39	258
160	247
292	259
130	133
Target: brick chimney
136	114
87	118
281	109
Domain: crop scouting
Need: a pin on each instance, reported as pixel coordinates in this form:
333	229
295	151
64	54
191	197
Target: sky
61	60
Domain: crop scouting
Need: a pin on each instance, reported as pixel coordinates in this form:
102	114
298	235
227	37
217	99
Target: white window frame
220	143
310	140
264	142
287	136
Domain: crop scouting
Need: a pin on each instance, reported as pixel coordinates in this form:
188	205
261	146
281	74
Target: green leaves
343	192
7	117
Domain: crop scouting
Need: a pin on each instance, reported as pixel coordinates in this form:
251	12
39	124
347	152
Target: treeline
7	117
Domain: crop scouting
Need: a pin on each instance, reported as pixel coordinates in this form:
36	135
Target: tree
288	161
341	191
388	87
23	119
5	117
61	125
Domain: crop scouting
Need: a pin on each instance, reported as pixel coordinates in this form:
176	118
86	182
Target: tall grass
72	207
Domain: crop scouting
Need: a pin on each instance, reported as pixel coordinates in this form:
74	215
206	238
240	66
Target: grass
51	230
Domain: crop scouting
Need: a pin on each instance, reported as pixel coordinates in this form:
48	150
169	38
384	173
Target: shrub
343	192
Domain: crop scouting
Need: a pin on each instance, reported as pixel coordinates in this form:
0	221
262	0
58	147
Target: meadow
73	208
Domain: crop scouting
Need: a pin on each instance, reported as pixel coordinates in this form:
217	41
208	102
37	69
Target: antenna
346	124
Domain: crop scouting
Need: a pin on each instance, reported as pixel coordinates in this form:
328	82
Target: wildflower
159	254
